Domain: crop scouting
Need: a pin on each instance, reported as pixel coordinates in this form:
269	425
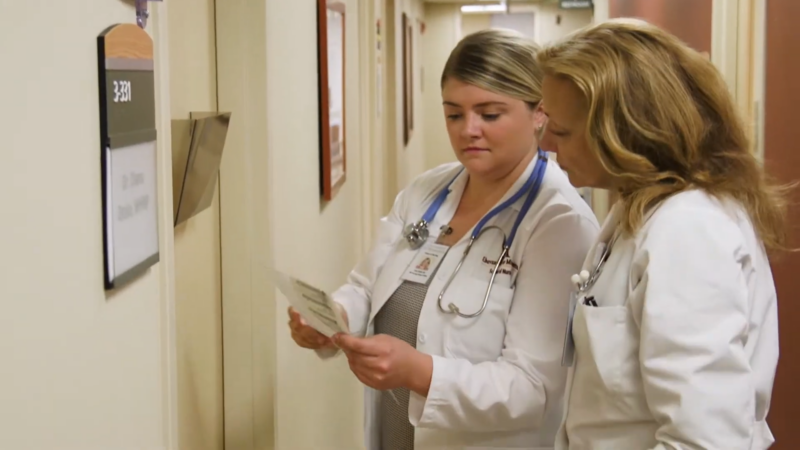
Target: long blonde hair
662	121
497	60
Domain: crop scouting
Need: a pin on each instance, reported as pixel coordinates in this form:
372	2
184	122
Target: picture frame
331	88
407	27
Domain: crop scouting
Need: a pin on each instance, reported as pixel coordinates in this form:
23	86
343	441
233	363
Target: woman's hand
385	362
304	335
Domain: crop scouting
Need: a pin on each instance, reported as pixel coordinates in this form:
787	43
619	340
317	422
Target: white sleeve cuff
422	411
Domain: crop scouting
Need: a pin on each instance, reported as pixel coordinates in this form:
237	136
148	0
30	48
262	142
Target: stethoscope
586	279
417	233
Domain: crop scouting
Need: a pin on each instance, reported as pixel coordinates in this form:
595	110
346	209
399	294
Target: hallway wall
82	369
198	290
444	30
313	241
553	23
411	158
273	216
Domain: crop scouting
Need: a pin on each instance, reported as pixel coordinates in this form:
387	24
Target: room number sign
128	154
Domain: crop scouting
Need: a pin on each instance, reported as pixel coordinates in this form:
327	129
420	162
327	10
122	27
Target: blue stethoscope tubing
532	187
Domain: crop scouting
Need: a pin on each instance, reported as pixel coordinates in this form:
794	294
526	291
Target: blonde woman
464	352
674	341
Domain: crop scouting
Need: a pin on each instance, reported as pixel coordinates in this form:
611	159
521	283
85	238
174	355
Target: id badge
568	354
425	263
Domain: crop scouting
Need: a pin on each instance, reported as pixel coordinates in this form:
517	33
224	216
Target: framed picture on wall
407	27
331	59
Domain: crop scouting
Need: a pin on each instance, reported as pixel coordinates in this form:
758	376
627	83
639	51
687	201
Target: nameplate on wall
576	4
128	153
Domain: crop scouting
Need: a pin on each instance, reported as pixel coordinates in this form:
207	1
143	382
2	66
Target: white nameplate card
425	263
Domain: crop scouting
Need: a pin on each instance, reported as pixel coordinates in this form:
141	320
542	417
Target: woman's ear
539	120
539	117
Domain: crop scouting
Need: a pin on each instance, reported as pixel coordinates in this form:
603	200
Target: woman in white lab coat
455	372
675	339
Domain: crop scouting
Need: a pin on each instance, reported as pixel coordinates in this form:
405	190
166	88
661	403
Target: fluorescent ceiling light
483	8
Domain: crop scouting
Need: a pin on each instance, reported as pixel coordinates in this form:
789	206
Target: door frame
725	40
371	136
169	360
758	69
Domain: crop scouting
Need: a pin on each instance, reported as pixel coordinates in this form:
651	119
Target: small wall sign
127	152
576	4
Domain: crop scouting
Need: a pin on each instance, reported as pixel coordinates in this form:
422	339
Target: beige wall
198	290
411	159
248	308
315	242
82	369
473	22
547	26
444	24
272	216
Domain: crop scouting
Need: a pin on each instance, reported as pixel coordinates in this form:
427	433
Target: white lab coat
681	351
497	379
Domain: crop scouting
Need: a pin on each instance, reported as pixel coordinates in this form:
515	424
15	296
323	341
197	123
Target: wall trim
724	44
169	362
368	123
759	68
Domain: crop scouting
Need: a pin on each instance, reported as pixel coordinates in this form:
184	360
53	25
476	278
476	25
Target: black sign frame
126	87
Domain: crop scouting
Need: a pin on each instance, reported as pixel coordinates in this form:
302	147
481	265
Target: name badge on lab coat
425	263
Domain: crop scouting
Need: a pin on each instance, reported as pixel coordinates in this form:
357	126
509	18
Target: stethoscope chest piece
416	234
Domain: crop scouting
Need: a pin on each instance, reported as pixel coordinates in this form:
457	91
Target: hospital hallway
143	217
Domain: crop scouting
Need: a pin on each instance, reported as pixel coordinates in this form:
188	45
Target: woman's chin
478	162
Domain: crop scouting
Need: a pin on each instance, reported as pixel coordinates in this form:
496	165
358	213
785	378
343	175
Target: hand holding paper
314	307
385	362
305	335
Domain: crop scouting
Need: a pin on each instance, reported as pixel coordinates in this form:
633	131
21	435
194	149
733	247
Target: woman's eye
453	116
490	117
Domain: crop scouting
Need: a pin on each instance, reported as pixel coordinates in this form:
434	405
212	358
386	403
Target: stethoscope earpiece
585	279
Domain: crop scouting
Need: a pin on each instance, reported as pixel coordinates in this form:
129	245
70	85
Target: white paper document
316	307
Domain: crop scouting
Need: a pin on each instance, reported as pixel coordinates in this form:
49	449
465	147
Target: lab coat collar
614	217
610	226
458	185
611	223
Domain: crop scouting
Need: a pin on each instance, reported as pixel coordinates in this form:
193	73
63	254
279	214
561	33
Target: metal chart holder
197	145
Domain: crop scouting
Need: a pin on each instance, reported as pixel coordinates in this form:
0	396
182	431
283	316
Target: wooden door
689	20
782	158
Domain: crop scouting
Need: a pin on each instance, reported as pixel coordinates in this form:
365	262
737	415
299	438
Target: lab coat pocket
609	336
479	338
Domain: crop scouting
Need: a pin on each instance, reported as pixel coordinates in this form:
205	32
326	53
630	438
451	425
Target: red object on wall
689	20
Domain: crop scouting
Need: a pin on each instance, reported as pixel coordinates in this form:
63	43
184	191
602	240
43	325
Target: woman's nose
472	126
